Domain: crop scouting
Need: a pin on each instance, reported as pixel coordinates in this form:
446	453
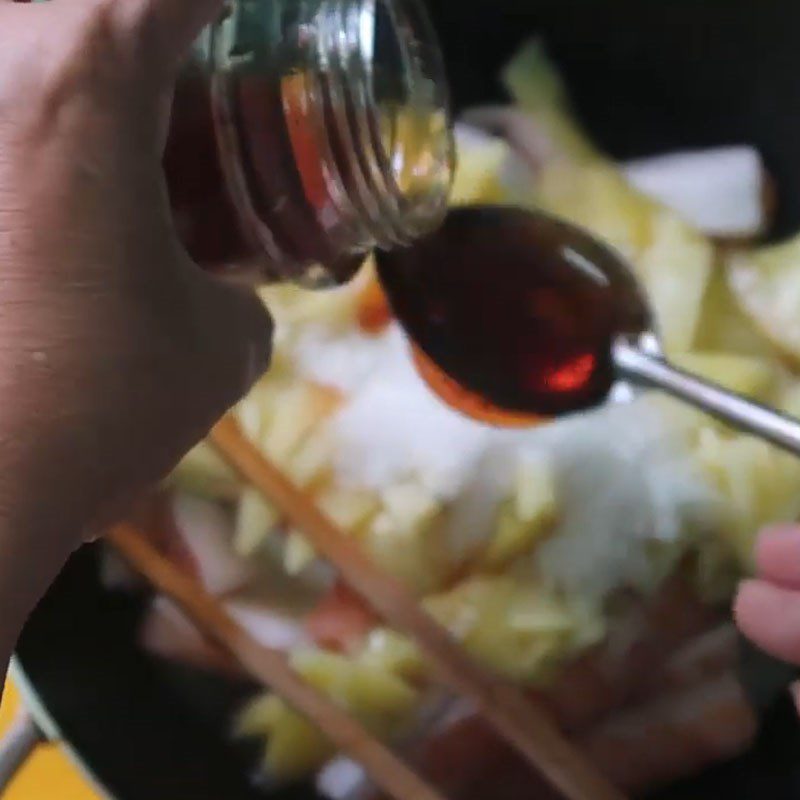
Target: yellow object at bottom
49	773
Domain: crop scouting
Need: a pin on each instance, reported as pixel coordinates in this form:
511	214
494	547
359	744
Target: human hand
117	353
767	606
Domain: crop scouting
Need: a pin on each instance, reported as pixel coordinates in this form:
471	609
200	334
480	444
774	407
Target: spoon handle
653	371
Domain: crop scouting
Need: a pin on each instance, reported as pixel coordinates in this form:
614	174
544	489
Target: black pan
647	76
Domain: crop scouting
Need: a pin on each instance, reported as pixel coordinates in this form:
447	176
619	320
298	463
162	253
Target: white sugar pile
629	494
393	428
625	480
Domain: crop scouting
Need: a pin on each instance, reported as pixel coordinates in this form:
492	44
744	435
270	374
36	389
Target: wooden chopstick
269	667
513	715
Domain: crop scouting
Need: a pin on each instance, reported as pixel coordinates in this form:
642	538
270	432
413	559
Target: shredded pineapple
766	284
480	161
514	626
381	699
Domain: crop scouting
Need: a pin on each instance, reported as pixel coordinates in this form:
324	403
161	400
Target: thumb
179	22
235	342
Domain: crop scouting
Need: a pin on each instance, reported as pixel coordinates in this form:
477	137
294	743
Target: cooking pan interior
646	77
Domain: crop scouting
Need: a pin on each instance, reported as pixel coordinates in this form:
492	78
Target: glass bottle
305	133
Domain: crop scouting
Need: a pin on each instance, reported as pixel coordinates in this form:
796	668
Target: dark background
651	75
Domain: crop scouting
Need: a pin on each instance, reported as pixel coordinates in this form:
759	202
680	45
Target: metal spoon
536	317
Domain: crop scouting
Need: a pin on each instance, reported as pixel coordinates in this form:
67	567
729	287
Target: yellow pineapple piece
310	464
203	472
296	748
723	325
380	699
766	284
479	164
535	495
255	520
758	484
527	516
675	269
303	407
298	553
292	306
515	626
410	505
350	509
391	652
405	537
537	87
258	716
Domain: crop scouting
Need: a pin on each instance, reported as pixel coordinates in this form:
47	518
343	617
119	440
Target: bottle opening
396	116
334	123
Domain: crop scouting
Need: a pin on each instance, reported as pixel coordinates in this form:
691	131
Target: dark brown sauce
515	313
281	170
205	217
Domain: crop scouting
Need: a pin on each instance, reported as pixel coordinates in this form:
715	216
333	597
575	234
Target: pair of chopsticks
514	716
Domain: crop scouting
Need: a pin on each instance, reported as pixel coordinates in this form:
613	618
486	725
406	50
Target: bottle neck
384	115
356	90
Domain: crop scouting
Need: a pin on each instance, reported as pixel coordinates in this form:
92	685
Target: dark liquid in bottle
203	210
275	163
513	314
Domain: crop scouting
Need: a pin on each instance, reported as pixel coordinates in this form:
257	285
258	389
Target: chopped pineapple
292	306
378	698
586	188
766	283
203	472
257	410
758	484
298	553
257	716
350	509
537	87
255	520
512	536
405	538
480	161
723	325
303	407
392	652
535	498
527	517
310	464
410	505
675	268
595	196
294	747
515	626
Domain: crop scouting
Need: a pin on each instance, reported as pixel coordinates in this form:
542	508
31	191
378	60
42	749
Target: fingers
777	556
769	615
767	609
235	342
179	22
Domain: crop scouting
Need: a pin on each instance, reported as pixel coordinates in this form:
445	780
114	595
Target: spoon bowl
516	307
515	315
